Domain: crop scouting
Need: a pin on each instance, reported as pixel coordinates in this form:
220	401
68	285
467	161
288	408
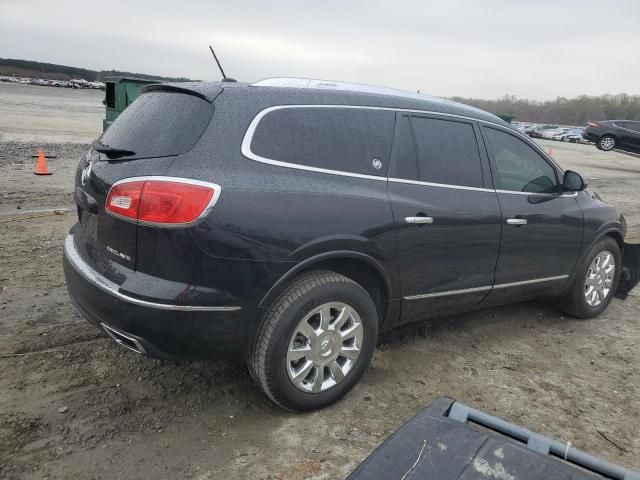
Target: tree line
30	68
563	111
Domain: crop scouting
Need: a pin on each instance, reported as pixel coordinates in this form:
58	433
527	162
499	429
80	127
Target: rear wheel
316	341
596	280
607	143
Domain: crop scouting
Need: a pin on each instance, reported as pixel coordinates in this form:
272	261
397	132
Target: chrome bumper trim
113	289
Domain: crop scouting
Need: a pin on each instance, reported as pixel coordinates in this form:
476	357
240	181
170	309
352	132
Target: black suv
291	221
610	134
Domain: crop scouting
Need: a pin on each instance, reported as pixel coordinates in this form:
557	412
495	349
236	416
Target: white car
548	134
560	134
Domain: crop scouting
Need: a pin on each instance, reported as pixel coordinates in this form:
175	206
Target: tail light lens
592	124
161	201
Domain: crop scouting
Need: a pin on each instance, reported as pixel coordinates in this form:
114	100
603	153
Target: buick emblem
86	173
377	163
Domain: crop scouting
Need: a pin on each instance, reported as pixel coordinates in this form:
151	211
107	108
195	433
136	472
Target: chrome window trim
112	288
440	185
217	190
245	147
486	288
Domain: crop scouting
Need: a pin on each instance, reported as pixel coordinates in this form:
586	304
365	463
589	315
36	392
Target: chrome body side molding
485	289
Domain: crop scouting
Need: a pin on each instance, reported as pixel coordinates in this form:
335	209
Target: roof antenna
224	77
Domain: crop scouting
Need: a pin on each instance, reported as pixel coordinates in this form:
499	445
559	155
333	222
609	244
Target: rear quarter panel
269	218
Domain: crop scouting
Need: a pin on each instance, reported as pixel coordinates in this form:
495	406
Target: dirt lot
75	405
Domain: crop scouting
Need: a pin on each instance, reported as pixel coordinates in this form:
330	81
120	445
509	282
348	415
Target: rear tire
316	341
607	143
594	286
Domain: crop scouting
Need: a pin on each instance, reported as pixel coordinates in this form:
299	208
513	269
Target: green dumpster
507	117
119	93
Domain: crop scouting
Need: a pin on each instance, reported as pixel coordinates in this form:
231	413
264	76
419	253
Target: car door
629	135
541	227
446	217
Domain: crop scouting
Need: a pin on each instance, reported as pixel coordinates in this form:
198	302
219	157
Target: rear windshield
159	124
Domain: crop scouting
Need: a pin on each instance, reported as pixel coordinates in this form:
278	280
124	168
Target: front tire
607	143
596	280
316	341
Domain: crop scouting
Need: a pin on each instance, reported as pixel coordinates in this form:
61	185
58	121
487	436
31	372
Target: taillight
124	198
161	200
592	124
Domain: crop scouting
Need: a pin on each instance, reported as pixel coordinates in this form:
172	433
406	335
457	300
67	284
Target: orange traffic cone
550	152
41	166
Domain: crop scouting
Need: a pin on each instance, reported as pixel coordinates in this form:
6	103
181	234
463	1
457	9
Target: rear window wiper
111	152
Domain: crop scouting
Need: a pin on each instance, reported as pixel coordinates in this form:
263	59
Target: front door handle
419	220
517	221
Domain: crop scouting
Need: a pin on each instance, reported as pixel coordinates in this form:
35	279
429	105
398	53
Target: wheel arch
617	236
359	267
611	232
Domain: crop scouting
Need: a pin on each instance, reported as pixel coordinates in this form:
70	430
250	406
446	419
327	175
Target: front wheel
316	341
596	280
607	143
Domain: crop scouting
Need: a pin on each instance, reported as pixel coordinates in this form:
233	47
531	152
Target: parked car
554	133
573	135
610	134
289	222
538	132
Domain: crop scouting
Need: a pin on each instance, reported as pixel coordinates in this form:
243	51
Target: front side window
354	140
447	152
520	167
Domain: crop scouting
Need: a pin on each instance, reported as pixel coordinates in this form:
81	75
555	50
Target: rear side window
447	152
343	139
629	125
159	124
520	167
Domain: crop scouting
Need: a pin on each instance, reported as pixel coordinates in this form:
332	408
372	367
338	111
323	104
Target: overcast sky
536	49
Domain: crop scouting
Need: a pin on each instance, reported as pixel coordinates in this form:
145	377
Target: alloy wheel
599	279
324	347
607	143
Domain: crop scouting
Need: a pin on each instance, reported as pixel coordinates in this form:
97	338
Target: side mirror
573	182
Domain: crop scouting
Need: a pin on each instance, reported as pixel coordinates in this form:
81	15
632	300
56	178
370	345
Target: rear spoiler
206	91
630	270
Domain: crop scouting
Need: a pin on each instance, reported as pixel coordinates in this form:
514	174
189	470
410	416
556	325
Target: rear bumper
155	326
590	136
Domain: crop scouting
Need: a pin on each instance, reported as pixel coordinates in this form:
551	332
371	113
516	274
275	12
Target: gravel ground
75	405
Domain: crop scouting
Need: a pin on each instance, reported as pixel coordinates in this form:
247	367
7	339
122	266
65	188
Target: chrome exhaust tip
127	341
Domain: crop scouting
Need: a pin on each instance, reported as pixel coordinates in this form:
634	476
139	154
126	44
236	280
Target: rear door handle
419	220
516	221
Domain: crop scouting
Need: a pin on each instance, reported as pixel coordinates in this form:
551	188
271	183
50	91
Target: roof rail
293	82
